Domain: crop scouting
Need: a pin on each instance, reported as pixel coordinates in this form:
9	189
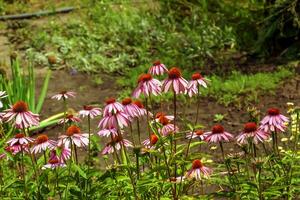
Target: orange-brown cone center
199	132
86	107
138	103
73	130
126	101
163	120
197	164
20	107
53	161
41	139
110	100
217	129
174	73
159	114
19	135
273	111
196	76
153	139
144	78
250	127
157	62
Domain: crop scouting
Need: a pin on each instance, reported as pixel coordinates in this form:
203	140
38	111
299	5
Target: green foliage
241	89
280	30
117	38
22	86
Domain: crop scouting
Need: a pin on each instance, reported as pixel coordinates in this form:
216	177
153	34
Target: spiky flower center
86	107
273	111
63	92
138	103
73	130
19	135
116	139
196	76
41	139
163	120
153	139
110	101
20	107
69	116
197	164
199	132
250	127
159	114
144	78
174	73
53	161
157	62
217	129
126	101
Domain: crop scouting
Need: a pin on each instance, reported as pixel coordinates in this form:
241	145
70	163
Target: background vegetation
213	37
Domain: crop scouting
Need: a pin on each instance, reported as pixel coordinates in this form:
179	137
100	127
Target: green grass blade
43	92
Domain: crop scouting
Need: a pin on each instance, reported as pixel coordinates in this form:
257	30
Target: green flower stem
175	145
147	110
65	115
131	134
196	121
138	129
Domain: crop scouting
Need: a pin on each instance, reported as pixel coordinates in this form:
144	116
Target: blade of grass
43	92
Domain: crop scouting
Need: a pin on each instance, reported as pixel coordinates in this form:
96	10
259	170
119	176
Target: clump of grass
239	89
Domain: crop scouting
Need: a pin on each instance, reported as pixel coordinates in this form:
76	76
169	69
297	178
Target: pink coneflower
177	179
120	119
54	163
19	138
159	114
196	134
17	147
22	116
74	136
64	95
149	143
251	132
61	152
142	110
131	109
175	81
167	128
2	95
116	143
2	156
69	119
147	85
198	171
90	111
158	68
42	143
112	107
218	134
196	82
108	132
274	121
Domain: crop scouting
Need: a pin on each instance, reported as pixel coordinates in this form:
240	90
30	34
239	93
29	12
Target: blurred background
248	48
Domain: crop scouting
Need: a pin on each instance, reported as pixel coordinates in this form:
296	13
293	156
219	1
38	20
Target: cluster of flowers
118	115
60	150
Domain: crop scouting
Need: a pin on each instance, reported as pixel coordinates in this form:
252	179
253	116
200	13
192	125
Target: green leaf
43	92
79	170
